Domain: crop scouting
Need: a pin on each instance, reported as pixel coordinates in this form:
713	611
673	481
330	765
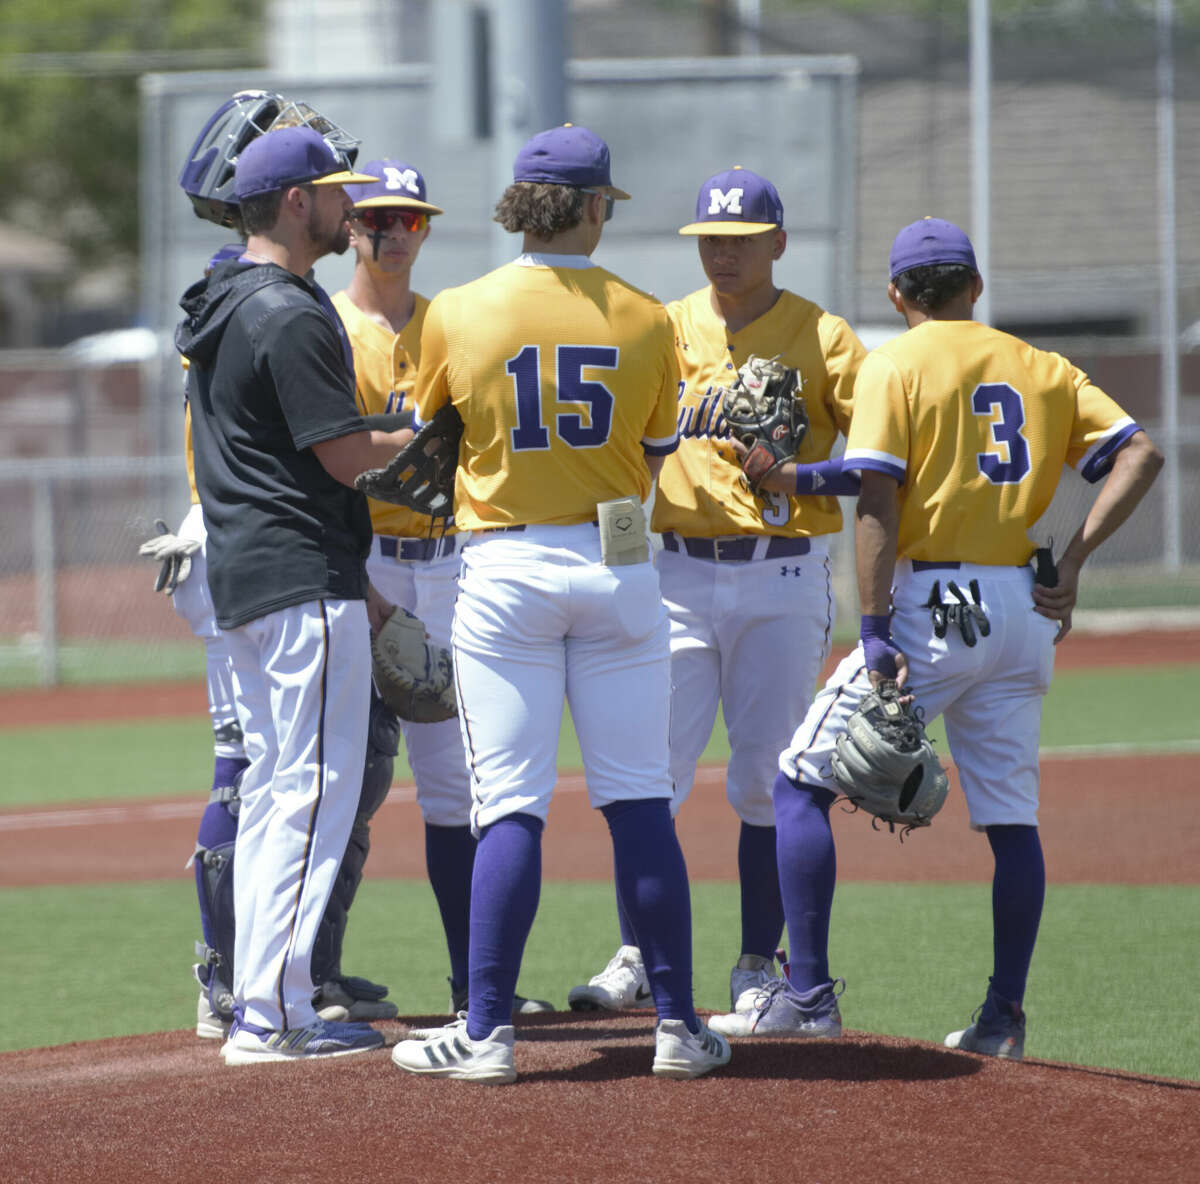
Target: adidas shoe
521	1005
250	1045
450	1052
342	1000
997	1030
680	1054
748	977
622	984
777	1010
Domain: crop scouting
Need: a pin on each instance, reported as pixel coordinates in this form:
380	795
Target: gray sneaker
521	1004
339	1000
778	1010
621	985
748	977
997	1030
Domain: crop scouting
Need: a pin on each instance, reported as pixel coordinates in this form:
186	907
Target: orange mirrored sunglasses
381	219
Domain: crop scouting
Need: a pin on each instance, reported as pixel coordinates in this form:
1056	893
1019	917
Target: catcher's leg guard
383	742
214	873
213	863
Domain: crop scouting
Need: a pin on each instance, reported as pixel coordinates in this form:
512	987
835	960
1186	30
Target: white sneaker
620	985
209	1025
452	1053
251	1046
747	978
679	1054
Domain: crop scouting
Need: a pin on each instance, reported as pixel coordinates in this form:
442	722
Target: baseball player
412	564
745	576
565	379
277	440
208	180
960	433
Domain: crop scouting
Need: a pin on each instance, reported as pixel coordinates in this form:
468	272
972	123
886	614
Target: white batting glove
173	553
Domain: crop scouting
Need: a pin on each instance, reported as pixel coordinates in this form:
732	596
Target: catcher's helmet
207	177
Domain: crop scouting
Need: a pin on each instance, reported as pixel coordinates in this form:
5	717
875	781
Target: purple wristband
878	647
827	477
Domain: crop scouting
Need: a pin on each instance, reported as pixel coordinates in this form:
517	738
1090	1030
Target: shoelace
767	993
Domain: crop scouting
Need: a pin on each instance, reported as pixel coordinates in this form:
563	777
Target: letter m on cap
401	179
728	200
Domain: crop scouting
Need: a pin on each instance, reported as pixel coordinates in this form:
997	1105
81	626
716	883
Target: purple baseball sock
1018	890
628	937
449	860
652	885
227	770
505	889
807	875
762	904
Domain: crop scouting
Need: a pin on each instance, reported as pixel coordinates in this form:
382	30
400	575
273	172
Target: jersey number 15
531	432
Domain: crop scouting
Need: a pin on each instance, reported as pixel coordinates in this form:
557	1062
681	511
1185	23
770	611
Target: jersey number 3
531	432
1008	463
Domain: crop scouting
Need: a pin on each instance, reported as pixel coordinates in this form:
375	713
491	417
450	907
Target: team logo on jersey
729	200
401	179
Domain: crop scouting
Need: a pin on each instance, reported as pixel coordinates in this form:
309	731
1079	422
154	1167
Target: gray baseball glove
421	475
172	553
764	410
883	761
415	679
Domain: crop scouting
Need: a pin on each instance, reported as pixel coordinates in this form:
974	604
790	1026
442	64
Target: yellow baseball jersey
700	489
565	378
385	372
976	426
188	457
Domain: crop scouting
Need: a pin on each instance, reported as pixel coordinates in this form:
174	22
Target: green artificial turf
1110	979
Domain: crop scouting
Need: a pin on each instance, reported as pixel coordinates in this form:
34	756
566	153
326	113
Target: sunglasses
609	202
382	220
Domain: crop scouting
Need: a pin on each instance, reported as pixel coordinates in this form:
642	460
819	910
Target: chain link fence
1079	251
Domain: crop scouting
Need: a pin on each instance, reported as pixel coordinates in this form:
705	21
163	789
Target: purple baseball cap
399	185
736	201
290	156
567	155
929	241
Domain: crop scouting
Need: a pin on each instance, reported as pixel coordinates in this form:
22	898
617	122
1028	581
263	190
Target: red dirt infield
585	1107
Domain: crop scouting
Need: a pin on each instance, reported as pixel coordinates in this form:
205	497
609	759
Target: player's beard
329	240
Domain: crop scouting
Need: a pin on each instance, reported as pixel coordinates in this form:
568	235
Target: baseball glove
763	410
173	554
421	475
414	678
884	762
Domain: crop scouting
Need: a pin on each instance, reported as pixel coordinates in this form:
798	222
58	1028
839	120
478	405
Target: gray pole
749	17
981	180
528	47
1169	291
454	114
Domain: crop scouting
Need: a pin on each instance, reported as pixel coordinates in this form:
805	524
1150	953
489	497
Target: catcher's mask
208	175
